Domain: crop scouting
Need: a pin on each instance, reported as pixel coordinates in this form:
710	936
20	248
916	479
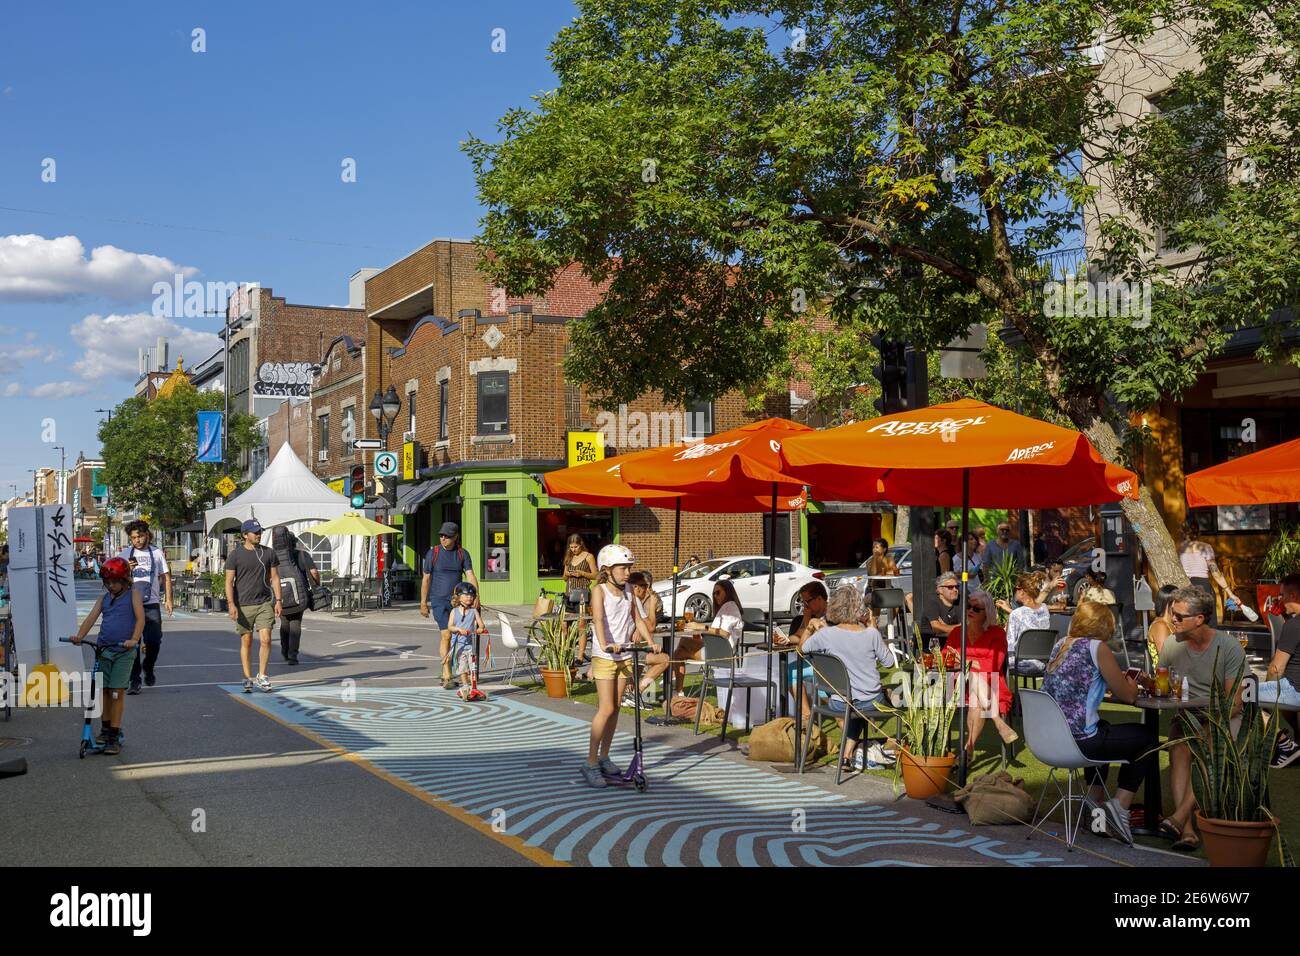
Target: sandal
1170	830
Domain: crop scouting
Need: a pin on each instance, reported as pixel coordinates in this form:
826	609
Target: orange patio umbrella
928	456
1270	476
967	451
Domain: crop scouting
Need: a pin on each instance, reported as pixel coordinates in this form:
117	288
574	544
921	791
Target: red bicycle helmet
114	568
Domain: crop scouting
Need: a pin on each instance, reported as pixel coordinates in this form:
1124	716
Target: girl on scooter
616	622
123	611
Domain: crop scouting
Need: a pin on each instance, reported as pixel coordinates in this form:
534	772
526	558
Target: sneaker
1288	751
262	683
594	777
609	768
248	685
877	759
448	683
150	679
133	689
1118	818
113	747
102	738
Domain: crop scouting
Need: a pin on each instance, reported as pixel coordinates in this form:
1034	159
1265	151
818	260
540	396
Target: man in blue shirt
444	566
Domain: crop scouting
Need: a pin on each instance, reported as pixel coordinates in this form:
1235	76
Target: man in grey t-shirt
1203	656
253	596
1000	546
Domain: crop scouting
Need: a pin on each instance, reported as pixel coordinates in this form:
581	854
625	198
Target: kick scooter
88	742
474	693
634	775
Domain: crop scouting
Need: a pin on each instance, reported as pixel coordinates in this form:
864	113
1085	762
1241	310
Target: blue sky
226	164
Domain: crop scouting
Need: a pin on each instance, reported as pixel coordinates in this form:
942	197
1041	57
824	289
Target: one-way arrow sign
368	444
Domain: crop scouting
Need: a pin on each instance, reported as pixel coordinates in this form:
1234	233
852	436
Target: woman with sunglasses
986	651
728	617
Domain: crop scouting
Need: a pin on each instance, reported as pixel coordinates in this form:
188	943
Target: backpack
294	587
437	548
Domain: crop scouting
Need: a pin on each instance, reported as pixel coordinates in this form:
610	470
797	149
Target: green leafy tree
150	450
737	171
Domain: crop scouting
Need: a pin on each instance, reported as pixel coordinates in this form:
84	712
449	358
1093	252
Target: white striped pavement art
510	763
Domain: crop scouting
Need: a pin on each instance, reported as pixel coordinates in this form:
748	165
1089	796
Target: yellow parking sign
586	447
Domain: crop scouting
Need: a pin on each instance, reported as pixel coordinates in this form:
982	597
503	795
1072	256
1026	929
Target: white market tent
287	493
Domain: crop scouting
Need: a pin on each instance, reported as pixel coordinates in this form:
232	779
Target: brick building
339	401
485	412
274	348
86	493
46	486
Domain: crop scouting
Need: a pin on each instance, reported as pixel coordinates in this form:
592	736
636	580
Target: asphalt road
205	780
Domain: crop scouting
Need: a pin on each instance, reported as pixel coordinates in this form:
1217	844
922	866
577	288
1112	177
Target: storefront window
496	540
554	525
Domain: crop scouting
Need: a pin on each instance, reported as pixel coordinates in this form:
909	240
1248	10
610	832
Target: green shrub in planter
1283	555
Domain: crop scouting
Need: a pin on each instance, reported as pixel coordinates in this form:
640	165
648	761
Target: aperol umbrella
1269	476
967	451
601	483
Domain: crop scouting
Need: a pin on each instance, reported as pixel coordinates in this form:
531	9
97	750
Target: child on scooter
616	623
465	623
123	624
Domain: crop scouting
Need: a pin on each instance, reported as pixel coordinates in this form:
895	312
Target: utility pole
63	464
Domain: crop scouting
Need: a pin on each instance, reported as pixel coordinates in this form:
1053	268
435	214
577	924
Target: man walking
253	596
444	566
152	578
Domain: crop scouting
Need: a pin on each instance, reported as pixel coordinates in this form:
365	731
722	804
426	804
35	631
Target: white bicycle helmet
613	554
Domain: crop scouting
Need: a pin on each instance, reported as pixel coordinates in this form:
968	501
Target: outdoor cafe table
780	650
1151	707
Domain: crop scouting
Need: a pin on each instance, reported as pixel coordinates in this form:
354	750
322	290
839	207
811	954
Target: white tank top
616	614
1196	557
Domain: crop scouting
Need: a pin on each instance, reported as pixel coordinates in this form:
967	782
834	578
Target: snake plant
1230	770
559	642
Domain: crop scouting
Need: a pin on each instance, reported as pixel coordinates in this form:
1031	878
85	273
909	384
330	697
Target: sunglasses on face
1179	618
974	609
947	587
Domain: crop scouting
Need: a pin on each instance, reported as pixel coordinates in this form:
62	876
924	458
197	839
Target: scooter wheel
82	753
640	783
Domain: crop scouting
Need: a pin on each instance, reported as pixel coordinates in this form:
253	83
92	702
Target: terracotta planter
556	684
925	776
1229	843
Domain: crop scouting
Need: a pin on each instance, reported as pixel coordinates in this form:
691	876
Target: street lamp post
108	500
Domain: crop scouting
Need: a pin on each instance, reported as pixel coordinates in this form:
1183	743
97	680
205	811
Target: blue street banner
210	429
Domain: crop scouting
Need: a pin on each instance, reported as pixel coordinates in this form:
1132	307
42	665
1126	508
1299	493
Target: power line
216	232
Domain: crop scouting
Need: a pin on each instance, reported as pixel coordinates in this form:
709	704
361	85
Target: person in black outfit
291	621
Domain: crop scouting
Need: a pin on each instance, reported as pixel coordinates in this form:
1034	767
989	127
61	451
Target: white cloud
60	389
112	344
12	389
36	269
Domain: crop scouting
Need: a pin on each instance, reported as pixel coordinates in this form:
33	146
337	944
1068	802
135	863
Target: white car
749	575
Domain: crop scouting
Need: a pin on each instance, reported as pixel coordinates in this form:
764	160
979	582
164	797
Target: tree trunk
902	524
1157	543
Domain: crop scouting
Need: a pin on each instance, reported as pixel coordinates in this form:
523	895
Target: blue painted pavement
509	761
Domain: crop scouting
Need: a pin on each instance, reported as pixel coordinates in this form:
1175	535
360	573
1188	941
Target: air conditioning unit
322	456
408	436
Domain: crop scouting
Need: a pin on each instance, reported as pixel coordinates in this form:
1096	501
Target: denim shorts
1278	692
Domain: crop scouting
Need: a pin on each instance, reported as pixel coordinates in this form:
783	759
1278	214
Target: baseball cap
449	528
250	525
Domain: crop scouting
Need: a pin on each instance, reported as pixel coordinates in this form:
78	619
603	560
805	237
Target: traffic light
890	371
357	486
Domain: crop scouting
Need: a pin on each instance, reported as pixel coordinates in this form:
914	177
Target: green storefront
513	532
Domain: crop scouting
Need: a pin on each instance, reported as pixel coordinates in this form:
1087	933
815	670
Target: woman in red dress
986	652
